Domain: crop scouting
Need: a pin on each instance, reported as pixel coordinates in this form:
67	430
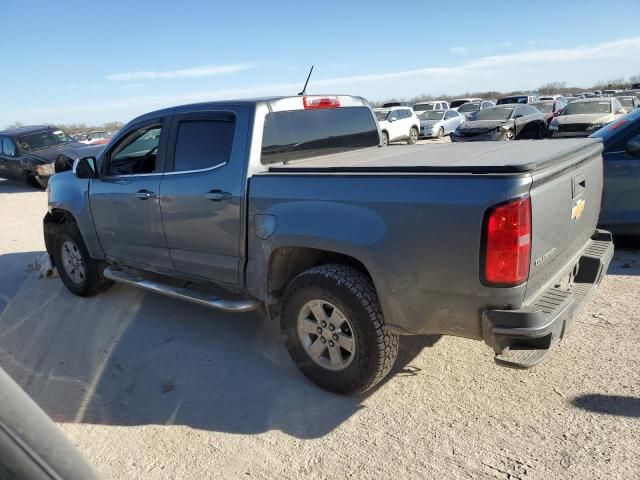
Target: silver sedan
438	123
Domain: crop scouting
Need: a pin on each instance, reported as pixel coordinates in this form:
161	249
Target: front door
201	194
125	202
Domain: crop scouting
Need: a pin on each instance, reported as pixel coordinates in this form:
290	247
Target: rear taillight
313	103
507	240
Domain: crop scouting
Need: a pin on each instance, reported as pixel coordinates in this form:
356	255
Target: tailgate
565	205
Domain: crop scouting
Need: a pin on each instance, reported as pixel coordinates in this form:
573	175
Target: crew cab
289	206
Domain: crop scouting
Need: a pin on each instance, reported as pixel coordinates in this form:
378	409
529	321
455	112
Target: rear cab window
299	134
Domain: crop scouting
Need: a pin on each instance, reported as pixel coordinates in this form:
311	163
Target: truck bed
477	157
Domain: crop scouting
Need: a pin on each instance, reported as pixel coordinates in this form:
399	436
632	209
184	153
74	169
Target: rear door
201	194
125	199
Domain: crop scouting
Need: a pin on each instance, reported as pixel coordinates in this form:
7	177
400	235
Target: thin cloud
525	70
459	50
194	72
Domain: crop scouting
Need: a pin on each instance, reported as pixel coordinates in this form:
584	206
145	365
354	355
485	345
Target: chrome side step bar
121	276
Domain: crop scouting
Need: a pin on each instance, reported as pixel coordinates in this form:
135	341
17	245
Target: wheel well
288	262
51	224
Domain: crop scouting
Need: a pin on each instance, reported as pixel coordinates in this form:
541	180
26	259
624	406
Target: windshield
41	140
469	107
544	107
421	107
382	115
627	102
494	113
436	115
577	108
457	103
517	99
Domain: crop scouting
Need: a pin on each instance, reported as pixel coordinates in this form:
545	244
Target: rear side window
203	144
299	134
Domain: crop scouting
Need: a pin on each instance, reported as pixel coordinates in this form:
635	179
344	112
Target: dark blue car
621	200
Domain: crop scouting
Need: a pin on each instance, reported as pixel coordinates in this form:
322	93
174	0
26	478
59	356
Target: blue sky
73	61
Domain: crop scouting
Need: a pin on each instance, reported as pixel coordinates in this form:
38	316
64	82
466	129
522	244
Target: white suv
398	123
432	105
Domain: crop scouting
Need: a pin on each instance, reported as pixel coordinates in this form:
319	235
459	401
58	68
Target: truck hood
481	125
430	123
71	150
585	118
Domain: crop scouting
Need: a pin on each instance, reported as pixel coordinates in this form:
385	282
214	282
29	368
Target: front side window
137	153
8	147
202	144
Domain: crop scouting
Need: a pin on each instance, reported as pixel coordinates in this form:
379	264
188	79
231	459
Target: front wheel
385	139
80	273
440	132
508	136
413	136
334	329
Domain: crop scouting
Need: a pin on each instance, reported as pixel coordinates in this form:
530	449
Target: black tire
93	281
354	294
385	139
413	136
508	136
542	131
440	132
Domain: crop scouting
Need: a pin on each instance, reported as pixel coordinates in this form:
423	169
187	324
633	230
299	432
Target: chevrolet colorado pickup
292	206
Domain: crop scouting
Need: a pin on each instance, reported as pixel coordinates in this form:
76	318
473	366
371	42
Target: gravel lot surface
151	387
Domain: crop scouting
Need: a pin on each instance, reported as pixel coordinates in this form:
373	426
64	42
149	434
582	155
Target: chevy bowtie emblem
578	208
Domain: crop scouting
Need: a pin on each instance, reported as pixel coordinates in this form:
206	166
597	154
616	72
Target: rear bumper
546	319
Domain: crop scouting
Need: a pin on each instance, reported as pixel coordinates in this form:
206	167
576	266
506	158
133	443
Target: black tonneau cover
473	157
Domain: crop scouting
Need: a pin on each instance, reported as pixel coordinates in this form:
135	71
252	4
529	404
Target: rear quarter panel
419	236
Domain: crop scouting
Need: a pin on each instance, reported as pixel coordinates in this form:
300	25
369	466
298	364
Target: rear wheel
413	136
80	273
334	329
385	138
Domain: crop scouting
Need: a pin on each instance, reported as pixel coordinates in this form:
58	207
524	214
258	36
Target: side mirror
392	119
633	146
622	111
86	167
556	114
519	115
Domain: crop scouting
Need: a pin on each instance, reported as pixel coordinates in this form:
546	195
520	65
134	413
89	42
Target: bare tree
634	79
15	125
551	88
615	83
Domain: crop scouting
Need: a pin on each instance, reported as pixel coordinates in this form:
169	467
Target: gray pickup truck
291	206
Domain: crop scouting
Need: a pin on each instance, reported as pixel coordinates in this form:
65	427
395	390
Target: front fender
68	193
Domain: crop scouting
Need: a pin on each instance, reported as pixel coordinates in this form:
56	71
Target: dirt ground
151	387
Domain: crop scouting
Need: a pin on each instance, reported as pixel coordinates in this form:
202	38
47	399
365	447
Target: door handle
217	195
145	194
